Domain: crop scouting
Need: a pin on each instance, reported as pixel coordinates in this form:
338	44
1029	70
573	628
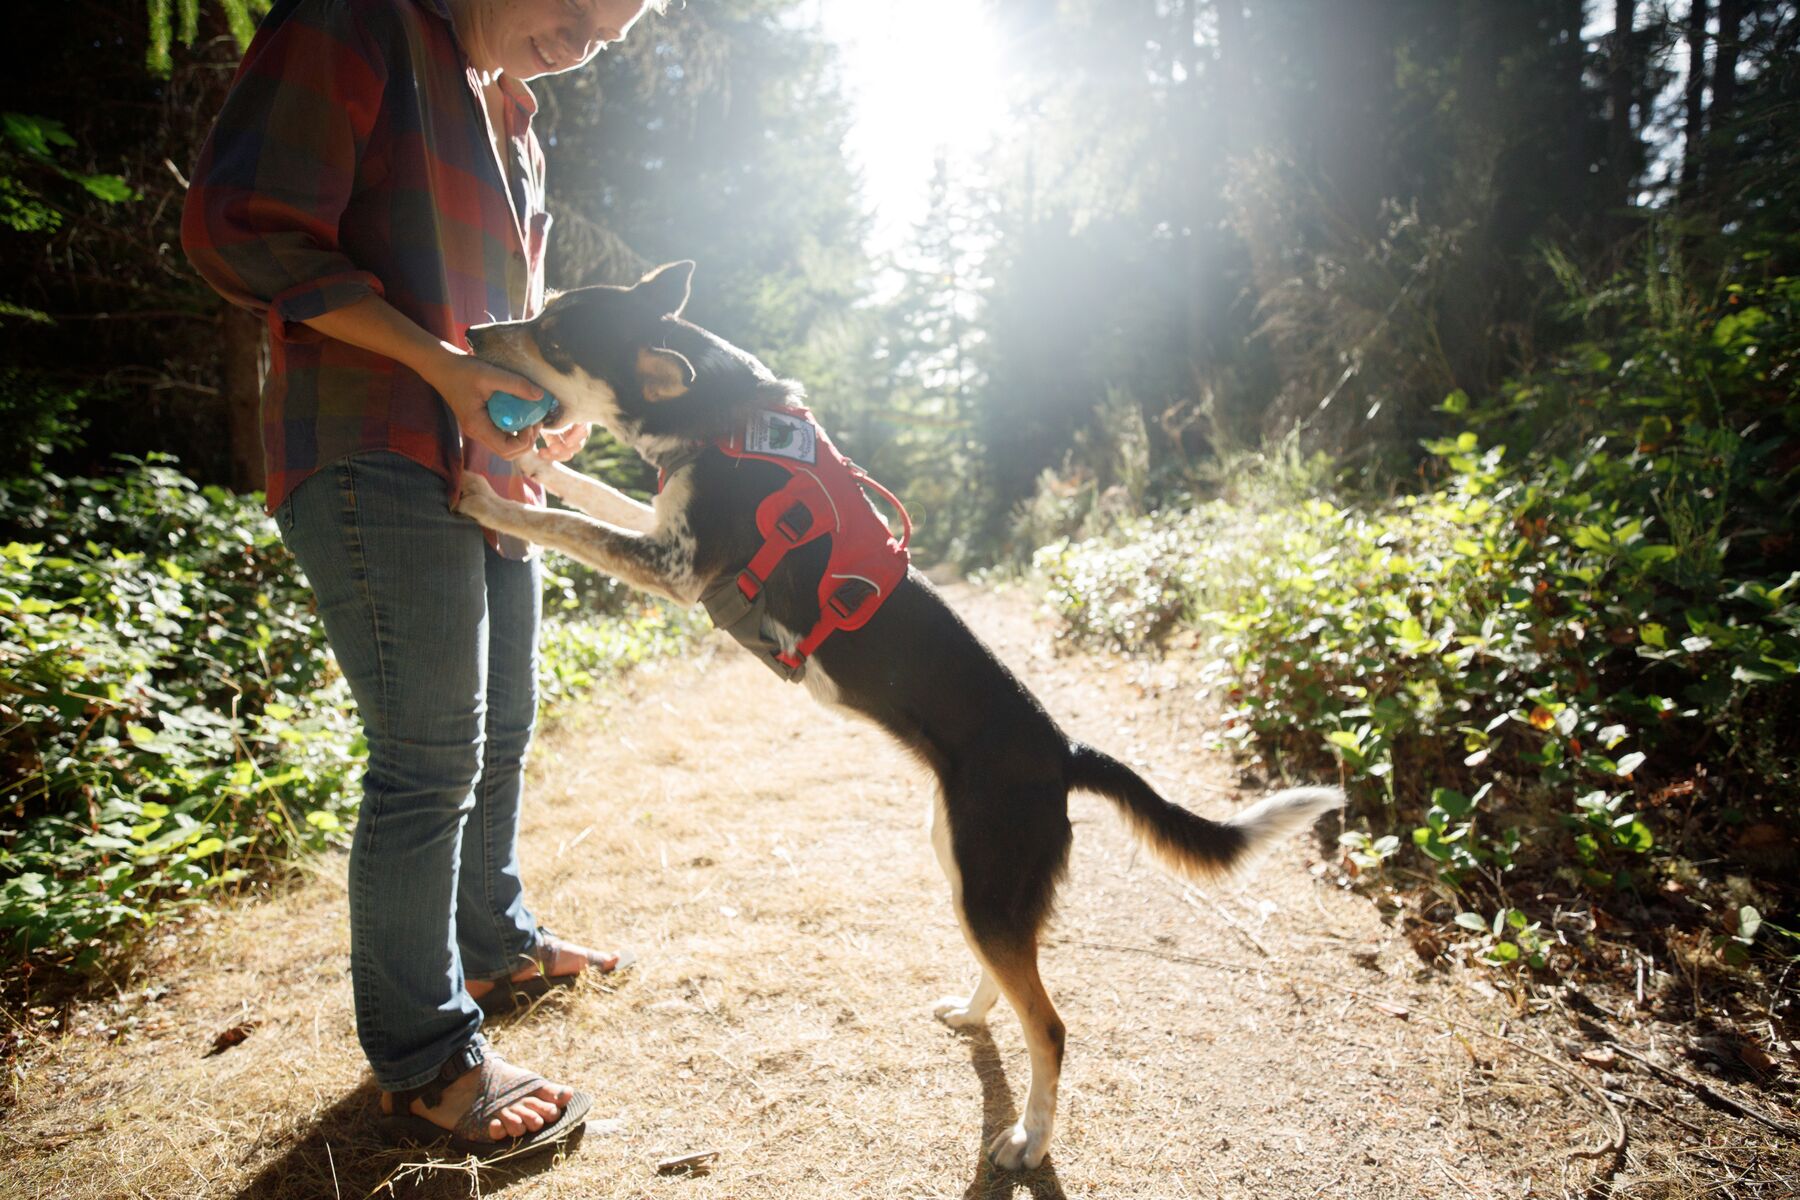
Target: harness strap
824	495
742	618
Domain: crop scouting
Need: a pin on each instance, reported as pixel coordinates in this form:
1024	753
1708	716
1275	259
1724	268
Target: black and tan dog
624	359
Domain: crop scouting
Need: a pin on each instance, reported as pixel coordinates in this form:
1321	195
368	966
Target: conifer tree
925	433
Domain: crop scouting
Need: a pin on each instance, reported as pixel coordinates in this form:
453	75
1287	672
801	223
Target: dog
625	359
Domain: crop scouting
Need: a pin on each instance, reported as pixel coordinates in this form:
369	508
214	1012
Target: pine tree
925	433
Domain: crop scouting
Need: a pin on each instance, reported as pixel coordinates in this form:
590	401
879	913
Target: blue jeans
437	635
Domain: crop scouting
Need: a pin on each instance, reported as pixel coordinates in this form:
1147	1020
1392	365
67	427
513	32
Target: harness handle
862	477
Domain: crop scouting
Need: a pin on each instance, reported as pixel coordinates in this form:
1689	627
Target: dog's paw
532	465
954	1011
1018	1148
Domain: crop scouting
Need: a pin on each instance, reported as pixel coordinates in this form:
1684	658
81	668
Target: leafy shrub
579	649
1517	663
172	718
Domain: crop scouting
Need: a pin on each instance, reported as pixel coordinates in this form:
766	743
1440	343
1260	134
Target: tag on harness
782	436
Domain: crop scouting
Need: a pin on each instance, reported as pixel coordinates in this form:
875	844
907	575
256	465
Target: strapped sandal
509	995
501	1084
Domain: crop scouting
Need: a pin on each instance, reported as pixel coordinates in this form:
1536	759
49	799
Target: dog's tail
1188	843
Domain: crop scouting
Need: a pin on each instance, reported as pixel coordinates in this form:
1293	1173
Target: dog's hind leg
1027	1141
1004	845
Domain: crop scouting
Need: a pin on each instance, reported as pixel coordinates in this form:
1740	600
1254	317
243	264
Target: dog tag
782	436
511	413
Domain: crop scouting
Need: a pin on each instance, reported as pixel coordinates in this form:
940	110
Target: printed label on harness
781	435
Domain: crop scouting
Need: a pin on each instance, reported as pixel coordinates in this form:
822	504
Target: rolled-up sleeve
260	222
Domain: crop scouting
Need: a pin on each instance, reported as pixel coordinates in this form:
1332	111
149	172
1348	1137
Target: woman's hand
465	382
560	445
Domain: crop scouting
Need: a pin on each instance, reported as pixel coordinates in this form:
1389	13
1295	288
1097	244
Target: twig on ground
1188	894
1708	1094
1455	1178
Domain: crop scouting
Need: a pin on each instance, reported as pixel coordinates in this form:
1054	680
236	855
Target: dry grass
768	862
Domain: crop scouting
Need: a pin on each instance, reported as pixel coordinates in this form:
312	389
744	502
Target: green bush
581	647
172	718
1512	666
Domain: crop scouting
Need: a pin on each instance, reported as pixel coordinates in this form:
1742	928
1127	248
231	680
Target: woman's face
529	38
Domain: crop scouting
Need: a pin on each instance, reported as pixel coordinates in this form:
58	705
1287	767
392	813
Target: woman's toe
555	1093
542	1108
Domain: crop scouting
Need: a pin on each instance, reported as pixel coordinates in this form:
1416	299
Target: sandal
501	1084
510	995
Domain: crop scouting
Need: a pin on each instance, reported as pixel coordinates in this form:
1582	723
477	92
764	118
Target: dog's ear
665	374
666	288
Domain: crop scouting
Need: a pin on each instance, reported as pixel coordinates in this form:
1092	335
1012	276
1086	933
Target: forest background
1421	371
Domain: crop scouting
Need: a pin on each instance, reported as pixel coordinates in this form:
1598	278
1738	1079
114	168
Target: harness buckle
850	596
794	523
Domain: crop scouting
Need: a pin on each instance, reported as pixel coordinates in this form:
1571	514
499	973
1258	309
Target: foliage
43	420
179	20
30	151
172	717
915	424
595	629
1519	664
32	173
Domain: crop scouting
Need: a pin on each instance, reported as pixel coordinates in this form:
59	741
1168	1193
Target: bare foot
527	1115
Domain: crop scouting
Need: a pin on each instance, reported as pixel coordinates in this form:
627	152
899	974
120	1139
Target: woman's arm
260	221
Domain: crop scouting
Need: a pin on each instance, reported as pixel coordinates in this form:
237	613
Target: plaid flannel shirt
352	158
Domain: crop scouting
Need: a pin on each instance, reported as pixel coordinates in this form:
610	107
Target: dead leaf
228	1038
1392	1010
1601	1057
1755	1057
697	1163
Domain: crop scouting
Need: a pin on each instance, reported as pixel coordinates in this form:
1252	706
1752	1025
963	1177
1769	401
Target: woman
373	185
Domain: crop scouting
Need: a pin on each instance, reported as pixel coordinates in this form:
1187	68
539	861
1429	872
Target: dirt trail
768	862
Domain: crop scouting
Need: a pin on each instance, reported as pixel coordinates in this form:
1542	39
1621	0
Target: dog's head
623	358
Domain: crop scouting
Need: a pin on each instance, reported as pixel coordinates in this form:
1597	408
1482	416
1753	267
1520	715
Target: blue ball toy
511	413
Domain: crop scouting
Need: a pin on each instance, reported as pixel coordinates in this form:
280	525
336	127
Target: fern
179	20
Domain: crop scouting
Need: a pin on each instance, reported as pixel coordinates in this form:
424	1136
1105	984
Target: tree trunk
1624	153
1354	60
1725	60
246	366
1694	129
1234	105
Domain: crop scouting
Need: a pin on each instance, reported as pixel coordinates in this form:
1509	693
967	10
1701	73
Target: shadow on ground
339	1156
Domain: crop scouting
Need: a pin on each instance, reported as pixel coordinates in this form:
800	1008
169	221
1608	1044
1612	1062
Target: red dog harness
823	497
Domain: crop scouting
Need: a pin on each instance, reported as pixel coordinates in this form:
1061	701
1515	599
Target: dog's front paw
955	1012
532	465
1019	1148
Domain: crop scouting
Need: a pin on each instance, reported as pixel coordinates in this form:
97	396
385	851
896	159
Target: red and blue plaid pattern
352	158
